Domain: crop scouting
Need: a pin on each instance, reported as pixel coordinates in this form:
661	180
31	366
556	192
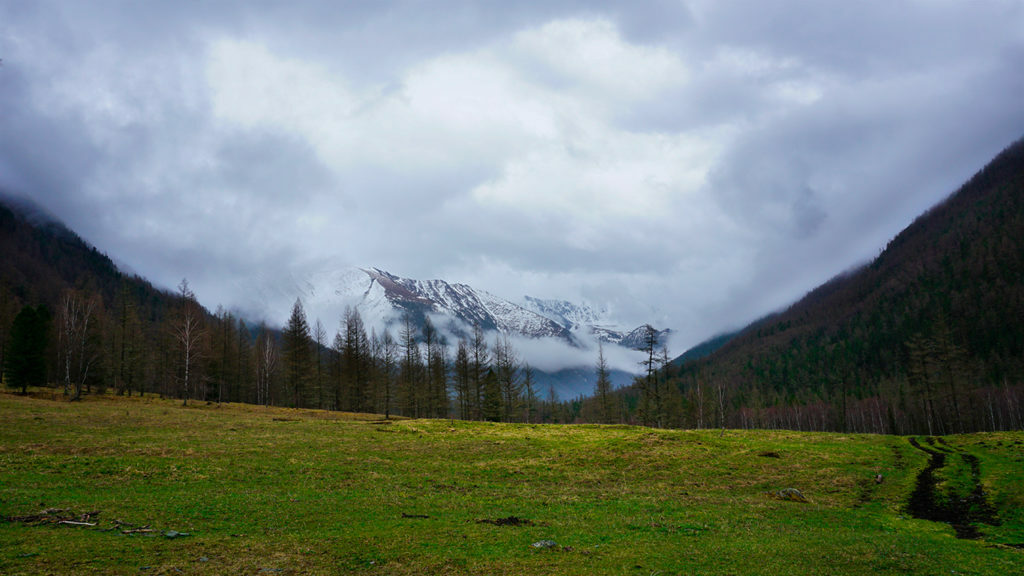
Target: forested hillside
927	338
102	328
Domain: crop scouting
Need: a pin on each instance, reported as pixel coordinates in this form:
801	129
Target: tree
603	387
650	395
463	380
411	370
320	341
8	310
337	374
479	366
356	361
295	352
25	359
129	343
389	358
188	332
506	371
530	387
76	339
436	370
491	408
244	365
266	365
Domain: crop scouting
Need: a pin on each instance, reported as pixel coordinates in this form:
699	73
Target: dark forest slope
42	259
929	337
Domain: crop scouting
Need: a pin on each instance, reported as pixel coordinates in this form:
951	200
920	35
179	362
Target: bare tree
76	315
603	386
479	364
188	332
389	360
411	369
506	369
266	365
530	389
463	379
320	340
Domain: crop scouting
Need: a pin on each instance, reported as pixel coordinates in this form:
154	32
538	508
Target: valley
142	485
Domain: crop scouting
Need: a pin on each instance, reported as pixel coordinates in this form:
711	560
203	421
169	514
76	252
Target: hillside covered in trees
927	338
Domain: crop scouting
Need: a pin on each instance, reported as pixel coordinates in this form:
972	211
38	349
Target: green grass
278	491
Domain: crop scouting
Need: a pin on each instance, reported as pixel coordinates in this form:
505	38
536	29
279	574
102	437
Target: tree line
182	351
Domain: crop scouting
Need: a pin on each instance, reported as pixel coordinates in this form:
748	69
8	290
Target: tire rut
961	511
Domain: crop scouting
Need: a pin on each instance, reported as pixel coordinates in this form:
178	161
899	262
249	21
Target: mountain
567	314
927	338
382	299
42	258
566	333
461	303
586	320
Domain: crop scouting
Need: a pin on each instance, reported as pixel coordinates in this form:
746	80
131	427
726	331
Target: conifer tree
295	350
603	387
25	360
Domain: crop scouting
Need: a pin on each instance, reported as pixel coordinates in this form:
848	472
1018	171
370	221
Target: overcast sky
694	164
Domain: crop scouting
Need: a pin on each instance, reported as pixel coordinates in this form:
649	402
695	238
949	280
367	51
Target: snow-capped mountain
567	314
558	338
595	322
383	298
459	302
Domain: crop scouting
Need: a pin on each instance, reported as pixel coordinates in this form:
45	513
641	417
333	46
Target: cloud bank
689	164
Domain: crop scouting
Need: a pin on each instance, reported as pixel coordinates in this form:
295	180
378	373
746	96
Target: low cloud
690	164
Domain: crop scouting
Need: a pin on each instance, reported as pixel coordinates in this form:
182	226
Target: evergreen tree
25	360
491	408
295	351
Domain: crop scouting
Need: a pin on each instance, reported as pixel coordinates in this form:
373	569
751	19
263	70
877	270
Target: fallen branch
74	523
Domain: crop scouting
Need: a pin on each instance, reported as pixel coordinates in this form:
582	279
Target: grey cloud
105	119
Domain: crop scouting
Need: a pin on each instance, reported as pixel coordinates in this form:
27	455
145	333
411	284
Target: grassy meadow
110	485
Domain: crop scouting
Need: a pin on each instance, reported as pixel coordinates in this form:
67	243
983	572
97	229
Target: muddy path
962	509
